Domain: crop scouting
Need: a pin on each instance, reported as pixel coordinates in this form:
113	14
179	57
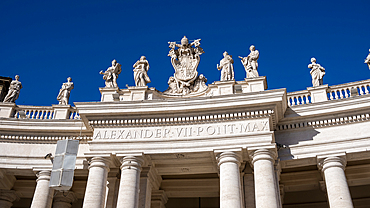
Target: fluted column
128	195
230	194
336	182
96	183
7	197
264	178
64	199
43	196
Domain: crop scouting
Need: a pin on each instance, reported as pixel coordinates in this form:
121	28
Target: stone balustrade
324	92
34	112
298	98
40	112
344	90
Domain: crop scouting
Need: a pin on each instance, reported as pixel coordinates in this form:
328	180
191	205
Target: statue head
114	62
225	54
142	58
184	41
17	77
69	79
313	60
252	48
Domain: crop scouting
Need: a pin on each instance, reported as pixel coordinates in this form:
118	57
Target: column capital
324	163
103	162
9	195
65	197
43	175
159	195
131	162
229	156
262	154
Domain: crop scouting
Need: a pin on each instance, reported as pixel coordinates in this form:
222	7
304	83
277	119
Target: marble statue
199	84
367	60
317	72
14	89
141	68
65	91
185	58
226	67
250	62
111	74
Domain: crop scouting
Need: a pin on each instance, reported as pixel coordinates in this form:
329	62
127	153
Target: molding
186	119
319	123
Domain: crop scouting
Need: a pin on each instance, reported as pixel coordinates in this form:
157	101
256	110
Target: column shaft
64	199
128	195
96	183
336	183
230	194
43	196
264	179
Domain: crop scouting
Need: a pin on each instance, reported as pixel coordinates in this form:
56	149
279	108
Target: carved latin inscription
167	132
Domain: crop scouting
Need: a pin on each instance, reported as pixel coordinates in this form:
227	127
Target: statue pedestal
256	84
318	94
109	94
7	110
138	93
61	111
225	87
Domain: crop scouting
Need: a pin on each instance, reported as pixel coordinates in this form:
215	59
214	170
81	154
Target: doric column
64	199
96	183
43	196
230	194
159	199
264	178
7	197
336	182
128	195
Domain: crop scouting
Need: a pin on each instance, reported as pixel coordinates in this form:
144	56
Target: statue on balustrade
185	58
367	60
250	62
226	67
111	74
14	89
141	68
65	91
317	72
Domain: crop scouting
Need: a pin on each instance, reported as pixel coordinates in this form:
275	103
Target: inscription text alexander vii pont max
165	132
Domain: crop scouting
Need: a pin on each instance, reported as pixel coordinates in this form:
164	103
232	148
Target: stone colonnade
135	190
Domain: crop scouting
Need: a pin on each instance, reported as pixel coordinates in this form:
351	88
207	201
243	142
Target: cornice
174	120
41	139
324	122
188	105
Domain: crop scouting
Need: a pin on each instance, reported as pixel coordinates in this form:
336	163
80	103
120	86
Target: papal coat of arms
185	60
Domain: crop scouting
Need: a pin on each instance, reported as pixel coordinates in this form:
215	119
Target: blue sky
47	41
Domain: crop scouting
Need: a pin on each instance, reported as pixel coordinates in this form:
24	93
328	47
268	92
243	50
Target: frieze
184	131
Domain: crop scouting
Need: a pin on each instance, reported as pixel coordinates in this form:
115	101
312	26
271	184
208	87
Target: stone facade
231	144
